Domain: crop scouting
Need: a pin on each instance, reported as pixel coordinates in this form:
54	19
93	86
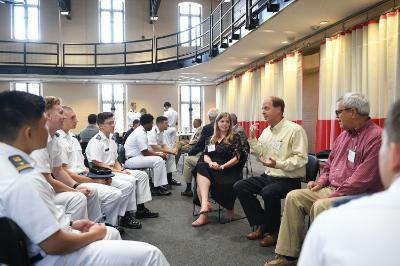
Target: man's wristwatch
75	185
221	167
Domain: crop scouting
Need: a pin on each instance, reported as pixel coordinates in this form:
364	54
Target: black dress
222	180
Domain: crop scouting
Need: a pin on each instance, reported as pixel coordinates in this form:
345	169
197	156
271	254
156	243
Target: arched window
25	20
189	17
111	20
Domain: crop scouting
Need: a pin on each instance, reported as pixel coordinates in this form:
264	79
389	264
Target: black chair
242	162
13	248
122	160
312	168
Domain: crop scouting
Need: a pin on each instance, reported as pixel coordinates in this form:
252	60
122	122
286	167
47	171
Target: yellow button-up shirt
286	143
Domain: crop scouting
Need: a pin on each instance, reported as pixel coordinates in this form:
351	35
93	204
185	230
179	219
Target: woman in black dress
219	171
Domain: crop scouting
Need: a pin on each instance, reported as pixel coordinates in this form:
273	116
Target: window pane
195	10
105	4
196	94
34	88
183	9
185	122
183	23
20	87
106	92
195	21
118	27
185	94
118	5
33	23
119	117
118	92
105	27
19	22
106	107
31	2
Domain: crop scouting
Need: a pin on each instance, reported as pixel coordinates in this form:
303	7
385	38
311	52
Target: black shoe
120	229
160	192
187	193
166	187
130	222
173	182
146	213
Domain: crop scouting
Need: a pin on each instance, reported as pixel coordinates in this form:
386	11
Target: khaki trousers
298	204
190	163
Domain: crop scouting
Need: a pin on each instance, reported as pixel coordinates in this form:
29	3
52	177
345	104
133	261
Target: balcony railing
226	23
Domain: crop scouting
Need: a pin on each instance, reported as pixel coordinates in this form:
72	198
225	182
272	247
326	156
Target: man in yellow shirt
282	148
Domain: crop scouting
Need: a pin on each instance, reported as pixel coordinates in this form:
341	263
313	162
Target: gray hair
213	113
357	101
392	123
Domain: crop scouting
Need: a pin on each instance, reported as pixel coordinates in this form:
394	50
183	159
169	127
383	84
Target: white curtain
366	60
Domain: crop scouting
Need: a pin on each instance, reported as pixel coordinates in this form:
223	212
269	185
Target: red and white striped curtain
364	59
243	94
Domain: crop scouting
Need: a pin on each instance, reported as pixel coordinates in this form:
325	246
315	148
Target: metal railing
225	24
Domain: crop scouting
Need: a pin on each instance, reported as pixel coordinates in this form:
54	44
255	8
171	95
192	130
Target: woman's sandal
198	224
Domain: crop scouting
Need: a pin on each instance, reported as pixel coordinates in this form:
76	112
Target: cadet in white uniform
103	151
113	196
132	115
157	143
172	116
139	155
48	160
49	232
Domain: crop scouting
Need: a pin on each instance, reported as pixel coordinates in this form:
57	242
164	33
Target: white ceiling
290	24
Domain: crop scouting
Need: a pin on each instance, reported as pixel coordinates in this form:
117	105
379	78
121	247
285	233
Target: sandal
198	224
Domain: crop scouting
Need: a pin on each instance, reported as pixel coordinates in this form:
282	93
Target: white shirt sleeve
41	160
143	142
152	137
94	151
55	154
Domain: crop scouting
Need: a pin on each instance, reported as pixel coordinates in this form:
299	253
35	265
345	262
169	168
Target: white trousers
110	251
74	203
155	162
110	199
128	192
170	136
170	163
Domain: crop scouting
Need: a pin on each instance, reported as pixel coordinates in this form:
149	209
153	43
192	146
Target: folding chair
13	248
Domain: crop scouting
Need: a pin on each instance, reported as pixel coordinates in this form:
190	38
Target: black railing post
125	54
177	47
248	13
156	56
58	54
25	55
220	23
95	55
63	55
152	51
232	17
211	33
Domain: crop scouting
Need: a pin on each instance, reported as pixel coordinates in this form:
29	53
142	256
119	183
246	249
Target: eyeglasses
110	123
338	112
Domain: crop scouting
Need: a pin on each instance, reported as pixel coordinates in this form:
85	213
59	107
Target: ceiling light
323	22
153	18
241	63
64	13
204	77
285	42
268	31
227	70
289	32
227	1
261	53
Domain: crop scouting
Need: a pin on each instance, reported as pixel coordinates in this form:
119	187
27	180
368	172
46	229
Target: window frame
113	102
26	20
112	11
190	102
13	87
191	42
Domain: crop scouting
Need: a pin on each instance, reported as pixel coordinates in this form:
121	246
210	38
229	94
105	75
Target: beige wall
4	86
310	97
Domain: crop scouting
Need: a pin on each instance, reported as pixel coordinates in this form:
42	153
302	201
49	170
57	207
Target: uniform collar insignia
98	137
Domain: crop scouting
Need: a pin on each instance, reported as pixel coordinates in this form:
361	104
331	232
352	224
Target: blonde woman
219	171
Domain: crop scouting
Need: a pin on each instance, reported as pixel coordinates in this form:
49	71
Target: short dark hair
18	109
392	123
146	118
92	119
167	104
278	102
102	117
198	120
135	122
161	119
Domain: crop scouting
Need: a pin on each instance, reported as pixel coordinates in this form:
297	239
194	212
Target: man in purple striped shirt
352	168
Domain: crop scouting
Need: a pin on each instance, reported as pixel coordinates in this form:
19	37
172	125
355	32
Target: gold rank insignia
19	163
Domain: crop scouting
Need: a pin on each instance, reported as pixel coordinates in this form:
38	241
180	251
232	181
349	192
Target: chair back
242	161
13	248
121	154
312	168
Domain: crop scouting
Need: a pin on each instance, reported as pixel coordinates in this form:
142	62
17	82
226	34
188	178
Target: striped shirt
352	167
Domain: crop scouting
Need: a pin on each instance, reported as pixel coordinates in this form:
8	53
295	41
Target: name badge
107	149
276	144
351	156
211	148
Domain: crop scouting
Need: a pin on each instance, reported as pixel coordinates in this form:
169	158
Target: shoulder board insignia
57	134
19	163
98	137
74	136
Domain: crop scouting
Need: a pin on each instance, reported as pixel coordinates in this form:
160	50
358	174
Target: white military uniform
75	203
110	196
157	137
105	150
134	145
170	133
45	219
364	231
132	116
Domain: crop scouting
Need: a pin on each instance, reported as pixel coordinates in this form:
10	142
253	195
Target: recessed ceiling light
323	22
241	63
204	77
261	53
244	58
289	32
227	70
268	31
285	42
